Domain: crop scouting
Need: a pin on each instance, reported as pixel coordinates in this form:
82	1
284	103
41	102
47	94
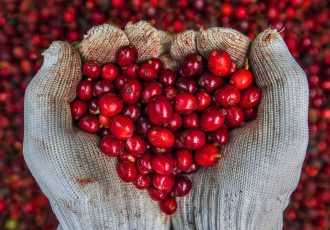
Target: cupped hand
80	182
251	185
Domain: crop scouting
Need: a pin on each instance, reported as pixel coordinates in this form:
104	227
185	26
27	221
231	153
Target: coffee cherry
227	96
234	116
191	121
136	145
120	81
127	171
78	109
241	79
170	92
191	65
167	77
156	63
121	127
192	139
151	91
220	137
219	63
104	121
89	124
160	151
142	181
130	71
182	186
163	164
102	87
159	111
186	85
93	106
250	114
209	82
164	183
184	159
193	168
175	122
110	105
147	72
110	72
185	103
126	55
111	147
85	90
142	126
161	137
131	91
250	98
143	164
204	100
207	155
156	195
132	111
211	119
168	205
92	69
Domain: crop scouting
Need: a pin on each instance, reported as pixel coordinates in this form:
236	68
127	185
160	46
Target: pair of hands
248	189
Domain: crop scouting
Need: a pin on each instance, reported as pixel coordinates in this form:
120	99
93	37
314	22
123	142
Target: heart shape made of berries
163	124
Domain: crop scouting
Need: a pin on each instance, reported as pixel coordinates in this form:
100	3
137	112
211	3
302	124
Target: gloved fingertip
102	42
147	39
183	44
56	52
268	39
230	40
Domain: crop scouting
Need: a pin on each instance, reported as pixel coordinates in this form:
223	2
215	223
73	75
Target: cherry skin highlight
111	146
184	159
219	63
121	127
182	187
168	205
161	137
159	111
211	119
89	124
242	79
227	96
126	55
110	105
207	155
78	109
127	171
92	69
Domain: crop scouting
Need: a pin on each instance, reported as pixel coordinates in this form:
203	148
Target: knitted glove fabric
261	165
80	182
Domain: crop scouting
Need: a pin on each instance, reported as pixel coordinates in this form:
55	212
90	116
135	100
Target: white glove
80	182
261	165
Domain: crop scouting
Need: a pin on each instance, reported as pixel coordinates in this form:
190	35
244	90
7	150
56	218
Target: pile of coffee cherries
161	124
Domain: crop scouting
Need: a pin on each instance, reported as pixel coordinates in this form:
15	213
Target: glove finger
48	95
183	44
102	42
149	41
234	42
284	104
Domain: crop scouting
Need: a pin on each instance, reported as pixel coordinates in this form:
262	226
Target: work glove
251	185
81	182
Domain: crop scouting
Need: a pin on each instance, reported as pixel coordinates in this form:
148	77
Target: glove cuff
101	214
216	210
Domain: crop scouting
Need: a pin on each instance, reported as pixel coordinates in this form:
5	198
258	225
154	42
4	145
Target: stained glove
80	182
261	165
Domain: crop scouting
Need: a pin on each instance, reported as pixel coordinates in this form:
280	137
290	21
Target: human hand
80	182
261	165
